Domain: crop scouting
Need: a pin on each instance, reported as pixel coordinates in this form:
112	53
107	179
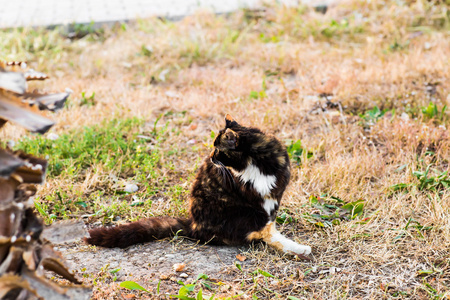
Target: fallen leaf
178	267
241	257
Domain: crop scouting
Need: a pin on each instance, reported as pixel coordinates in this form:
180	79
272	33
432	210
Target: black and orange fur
223	208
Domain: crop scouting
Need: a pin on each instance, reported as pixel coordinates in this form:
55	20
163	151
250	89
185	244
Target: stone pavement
21	13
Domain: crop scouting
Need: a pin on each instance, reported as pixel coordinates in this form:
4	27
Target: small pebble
52	136
131	188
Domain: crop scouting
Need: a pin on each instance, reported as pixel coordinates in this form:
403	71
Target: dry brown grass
388	56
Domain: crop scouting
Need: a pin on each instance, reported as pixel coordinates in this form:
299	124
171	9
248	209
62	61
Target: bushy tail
142	231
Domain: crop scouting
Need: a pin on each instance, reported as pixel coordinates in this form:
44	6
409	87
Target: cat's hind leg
274	238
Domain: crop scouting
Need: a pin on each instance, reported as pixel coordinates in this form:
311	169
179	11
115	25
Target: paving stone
56	12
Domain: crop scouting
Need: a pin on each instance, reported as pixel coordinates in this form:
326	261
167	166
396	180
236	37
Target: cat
234	199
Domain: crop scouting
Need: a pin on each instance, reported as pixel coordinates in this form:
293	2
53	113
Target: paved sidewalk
20	13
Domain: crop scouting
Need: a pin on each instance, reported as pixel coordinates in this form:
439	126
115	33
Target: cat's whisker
220	168
226	174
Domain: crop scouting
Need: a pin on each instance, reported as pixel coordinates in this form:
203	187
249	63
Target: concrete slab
22	13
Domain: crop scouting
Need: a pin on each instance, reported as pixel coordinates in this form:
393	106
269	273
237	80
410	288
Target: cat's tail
142	231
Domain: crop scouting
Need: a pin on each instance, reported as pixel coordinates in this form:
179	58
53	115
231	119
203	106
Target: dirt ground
149	263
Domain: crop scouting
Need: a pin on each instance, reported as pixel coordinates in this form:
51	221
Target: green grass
34	45
432	112
120	152
297	152
114	146
331	211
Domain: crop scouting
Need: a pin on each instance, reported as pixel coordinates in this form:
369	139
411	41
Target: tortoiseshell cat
234	199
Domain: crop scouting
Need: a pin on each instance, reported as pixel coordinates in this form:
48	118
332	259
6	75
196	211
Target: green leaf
131	285
182	297
200	295
339	200
348	206
356	208
409	222
430	111
297	146
81	203
207	285
265	274
399	186
238	266
159	285
186	289
293	298
326	217
336	222
262	94
200	276
284	218
254	95
313	199
296	150
115	271
331	206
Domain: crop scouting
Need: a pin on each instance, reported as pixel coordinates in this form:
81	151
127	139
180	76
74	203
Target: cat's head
228	138
232	144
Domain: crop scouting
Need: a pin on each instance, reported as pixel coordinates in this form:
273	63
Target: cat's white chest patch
263	184
269	205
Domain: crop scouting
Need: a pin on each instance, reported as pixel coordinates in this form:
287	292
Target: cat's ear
229	121
231	139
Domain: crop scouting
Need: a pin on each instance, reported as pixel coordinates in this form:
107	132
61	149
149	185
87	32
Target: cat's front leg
274	238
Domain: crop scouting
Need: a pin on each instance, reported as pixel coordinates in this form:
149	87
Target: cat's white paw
301	250
289	246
